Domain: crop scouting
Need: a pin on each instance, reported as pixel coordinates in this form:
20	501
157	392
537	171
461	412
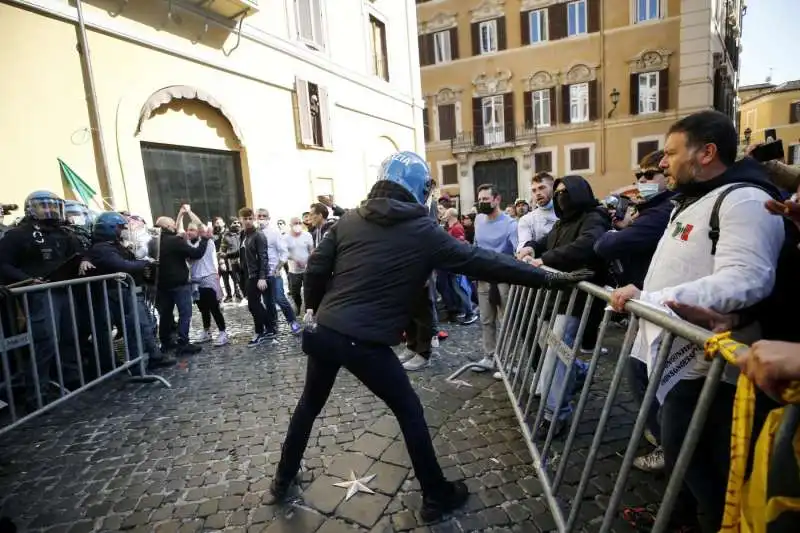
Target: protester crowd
702	234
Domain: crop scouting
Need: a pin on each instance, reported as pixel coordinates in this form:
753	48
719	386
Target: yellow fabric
747	507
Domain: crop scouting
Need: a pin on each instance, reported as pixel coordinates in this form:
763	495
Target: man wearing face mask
300	245
630	249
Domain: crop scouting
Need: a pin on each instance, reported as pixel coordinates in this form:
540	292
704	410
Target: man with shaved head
174	284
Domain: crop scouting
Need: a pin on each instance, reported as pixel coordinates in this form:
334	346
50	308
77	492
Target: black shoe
161	361
187	349
469	319
278	492
544	429
227	300
435	506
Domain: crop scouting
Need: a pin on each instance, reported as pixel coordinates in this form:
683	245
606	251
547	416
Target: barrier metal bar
51	313
532	323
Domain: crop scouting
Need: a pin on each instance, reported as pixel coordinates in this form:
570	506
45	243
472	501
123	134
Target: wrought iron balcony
493	138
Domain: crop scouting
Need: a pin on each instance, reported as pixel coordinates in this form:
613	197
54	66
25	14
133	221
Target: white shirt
741	274
206	265
276	248
300	248
535	225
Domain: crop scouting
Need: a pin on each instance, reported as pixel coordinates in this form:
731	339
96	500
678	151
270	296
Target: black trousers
296	290
378	368
208	304
418	331
255	306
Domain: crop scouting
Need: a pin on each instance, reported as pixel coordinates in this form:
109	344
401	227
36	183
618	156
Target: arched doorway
192	154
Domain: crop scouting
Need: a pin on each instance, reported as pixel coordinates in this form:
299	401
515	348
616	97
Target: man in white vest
735	272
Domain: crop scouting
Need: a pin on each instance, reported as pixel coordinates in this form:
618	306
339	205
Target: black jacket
33	250
633	247
113	257
175	251
229	247
363	275
253	254
570	244
317	234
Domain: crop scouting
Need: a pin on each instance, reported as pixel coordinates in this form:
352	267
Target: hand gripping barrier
59	339
536	317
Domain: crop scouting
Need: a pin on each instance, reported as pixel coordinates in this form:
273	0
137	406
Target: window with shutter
579	159
594	104
313	113
794	112
647	10
648	93
543	162
527	106
424	57
565	104
453	43
442	49
501	33
557	21
579	103
477	121
509	129
450	174
304	113
488	38
541	107
634	94
535	26
309	17
645	148
576	18
325	134
553	107
663	90
447	122
493	122
380	61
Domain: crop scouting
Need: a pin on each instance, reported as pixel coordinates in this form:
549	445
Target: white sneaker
416	363
652	462
243	303
405	354
487	363
205	336
498	376
222	339
590	351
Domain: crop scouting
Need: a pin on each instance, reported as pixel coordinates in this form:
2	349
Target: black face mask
485	208
564	202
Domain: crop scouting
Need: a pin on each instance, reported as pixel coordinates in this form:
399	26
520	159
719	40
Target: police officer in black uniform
30	252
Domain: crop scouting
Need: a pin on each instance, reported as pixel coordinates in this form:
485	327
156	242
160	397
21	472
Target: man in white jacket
700	165
538	223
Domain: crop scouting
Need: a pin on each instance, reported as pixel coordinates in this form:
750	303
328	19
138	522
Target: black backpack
777	312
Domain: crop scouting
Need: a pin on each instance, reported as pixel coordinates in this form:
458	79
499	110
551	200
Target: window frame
579	101
440	165
376	22
649	93
543	26
498	130
493	36
575	20
568	159
446	38
317	14
637	14
636	141
544	104
553	151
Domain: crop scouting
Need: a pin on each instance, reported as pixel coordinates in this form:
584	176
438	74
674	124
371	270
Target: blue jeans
279	297
564	380
168	299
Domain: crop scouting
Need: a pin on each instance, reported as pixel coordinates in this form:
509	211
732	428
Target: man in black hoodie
174	287
569	246
391	243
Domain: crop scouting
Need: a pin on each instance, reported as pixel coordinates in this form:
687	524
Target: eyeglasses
647	174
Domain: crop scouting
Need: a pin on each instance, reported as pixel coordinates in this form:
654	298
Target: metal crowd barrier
60	339
524	326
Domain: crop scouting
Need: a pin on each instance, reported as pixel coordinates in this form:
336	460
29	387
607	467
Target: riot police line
532	344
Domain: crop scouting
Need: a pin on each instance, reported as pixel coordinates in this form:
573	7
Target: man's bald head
166	223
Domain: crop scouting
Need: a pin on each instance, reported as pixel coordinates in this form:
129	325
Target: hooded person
391	242
569	246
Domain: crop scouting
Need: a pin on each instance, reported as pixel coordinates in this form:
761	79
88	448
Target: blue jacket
112	257
634	246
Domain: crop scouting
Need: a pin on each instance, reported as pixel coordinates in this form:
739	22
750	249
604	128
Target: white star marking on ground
356	485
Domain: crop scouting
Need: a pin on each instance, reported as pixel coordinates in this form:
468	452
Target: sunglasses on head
647	174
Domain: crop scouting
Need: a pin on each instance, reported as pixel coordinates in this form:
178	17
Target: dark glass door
209	180
502	173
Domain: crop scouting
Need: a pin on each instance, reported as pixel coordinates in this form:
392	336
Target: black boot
453	495
187	349
278	492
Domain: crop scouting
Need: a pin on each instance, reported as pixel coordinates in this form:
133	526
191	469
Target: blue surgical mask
647	190
549	205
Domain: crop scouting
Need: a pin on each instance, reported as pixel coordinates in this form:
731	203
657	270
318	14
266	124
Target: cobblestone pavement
200	456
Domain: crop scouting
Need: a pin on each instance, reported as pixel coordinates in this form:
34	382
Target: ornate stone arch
580	73
448	95
649	60
541	80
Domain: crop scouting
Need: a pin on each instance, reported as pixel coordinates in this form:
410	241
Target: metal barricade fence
59	339
530	320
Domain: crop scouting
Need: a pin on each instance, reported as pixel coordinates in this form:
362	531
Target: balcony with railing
492	138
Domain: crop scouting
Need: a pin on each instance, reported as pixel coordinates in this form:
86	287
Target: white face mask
297	228
647	190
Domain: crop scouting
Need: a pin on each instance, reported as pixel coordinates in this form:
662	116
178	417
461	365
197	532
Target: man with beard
392	243
733	273
538	223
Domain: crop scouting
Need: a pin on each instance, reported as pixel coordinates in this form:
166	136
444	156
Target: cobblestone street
200	456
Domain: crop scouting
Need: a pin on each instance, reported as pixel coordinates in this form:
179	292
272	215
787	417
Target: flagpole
91	104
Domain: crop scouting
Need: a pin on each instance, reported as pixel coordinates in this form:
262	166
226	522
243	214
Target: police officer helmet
109	226
44	205
77	214
411	172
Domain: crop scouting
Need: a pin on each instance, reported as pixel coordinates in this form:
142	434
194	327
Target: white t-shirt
300	248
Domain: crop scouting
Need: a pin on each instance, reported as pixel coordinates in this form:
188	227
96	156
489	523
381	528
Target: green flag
81	188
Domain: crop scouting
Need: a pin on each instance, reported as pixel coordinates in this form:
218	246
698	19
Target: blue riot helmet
77	214
411	172
109	226
44	205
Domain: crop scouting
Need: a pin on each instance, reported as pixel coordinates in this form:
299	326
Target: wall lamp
614	100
